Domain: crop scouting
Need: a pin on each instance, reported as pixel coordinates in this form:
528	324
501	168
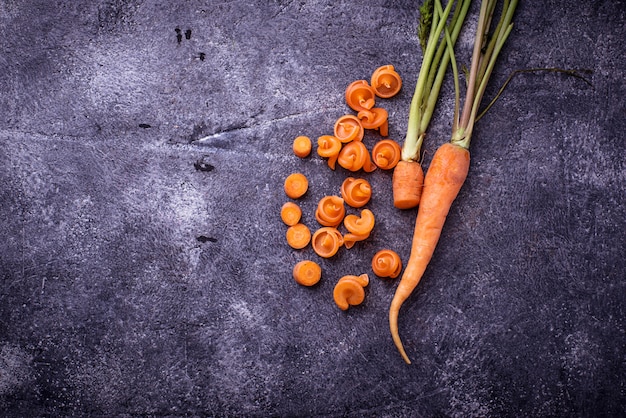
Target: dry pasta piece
354	156
307	273
326	241
348	128
330	211
360	95
349	291
298	236
329	147
386	263
375	118
386	82
386	154
302	146
359	228
356	192
296	185
290	213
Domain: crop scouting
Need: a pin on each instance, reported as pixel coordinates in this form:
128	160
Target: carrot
360	95
386	154
375	118
349	291
359	227
348	128
408	181
437	38
385	81
356	192
387	263
330	211
296	185
329	147
298	236
354	156
302	146
450	163
307	273
326	241
290	213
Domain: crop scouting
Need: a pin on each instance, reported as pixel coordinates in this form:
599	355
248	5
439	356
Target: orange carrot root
407	184
386	82
356	192
386	263
290	213
445	177
349	291
296	185
302	146
386	154
307	273
298	236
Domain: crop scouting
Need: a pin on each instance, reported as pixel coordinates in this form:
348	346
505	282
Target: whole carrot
450	164
444	178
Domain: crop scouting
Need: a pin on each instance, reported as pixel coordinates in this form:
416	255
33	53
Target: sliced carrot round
386	154
360	95
356	192
329	147
354	156
326	241
296	185
298	236
386	263
290	213
349	291
330	211
386	82
307	273
302	146
348	128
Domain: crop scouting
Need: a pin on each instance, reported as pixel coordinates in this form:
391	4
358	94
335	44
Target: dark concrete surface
143	267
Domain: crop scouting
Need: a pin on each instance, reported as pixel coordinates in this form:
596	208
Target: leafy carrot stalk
408	175
450	163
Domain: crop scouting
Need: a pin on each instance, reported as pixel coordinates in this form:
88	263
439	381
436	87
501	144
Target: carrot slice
355	156
375	118
356	192
307	273
348	128
329	147
386	154
298	236
290	213
360	95
349	291
296	185
387	263
330	211
386	82
359	227
326	241
302	146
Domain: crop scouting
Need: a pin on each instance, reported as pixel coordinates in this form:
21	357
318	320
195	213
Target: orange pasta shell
349	291
348	128
330	211
329	147
375	118
386	154
326	241
360	95
386	82
386	263
354	156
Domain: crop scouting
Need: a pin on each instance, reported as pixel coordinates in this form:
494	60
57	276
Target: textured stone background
143	268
